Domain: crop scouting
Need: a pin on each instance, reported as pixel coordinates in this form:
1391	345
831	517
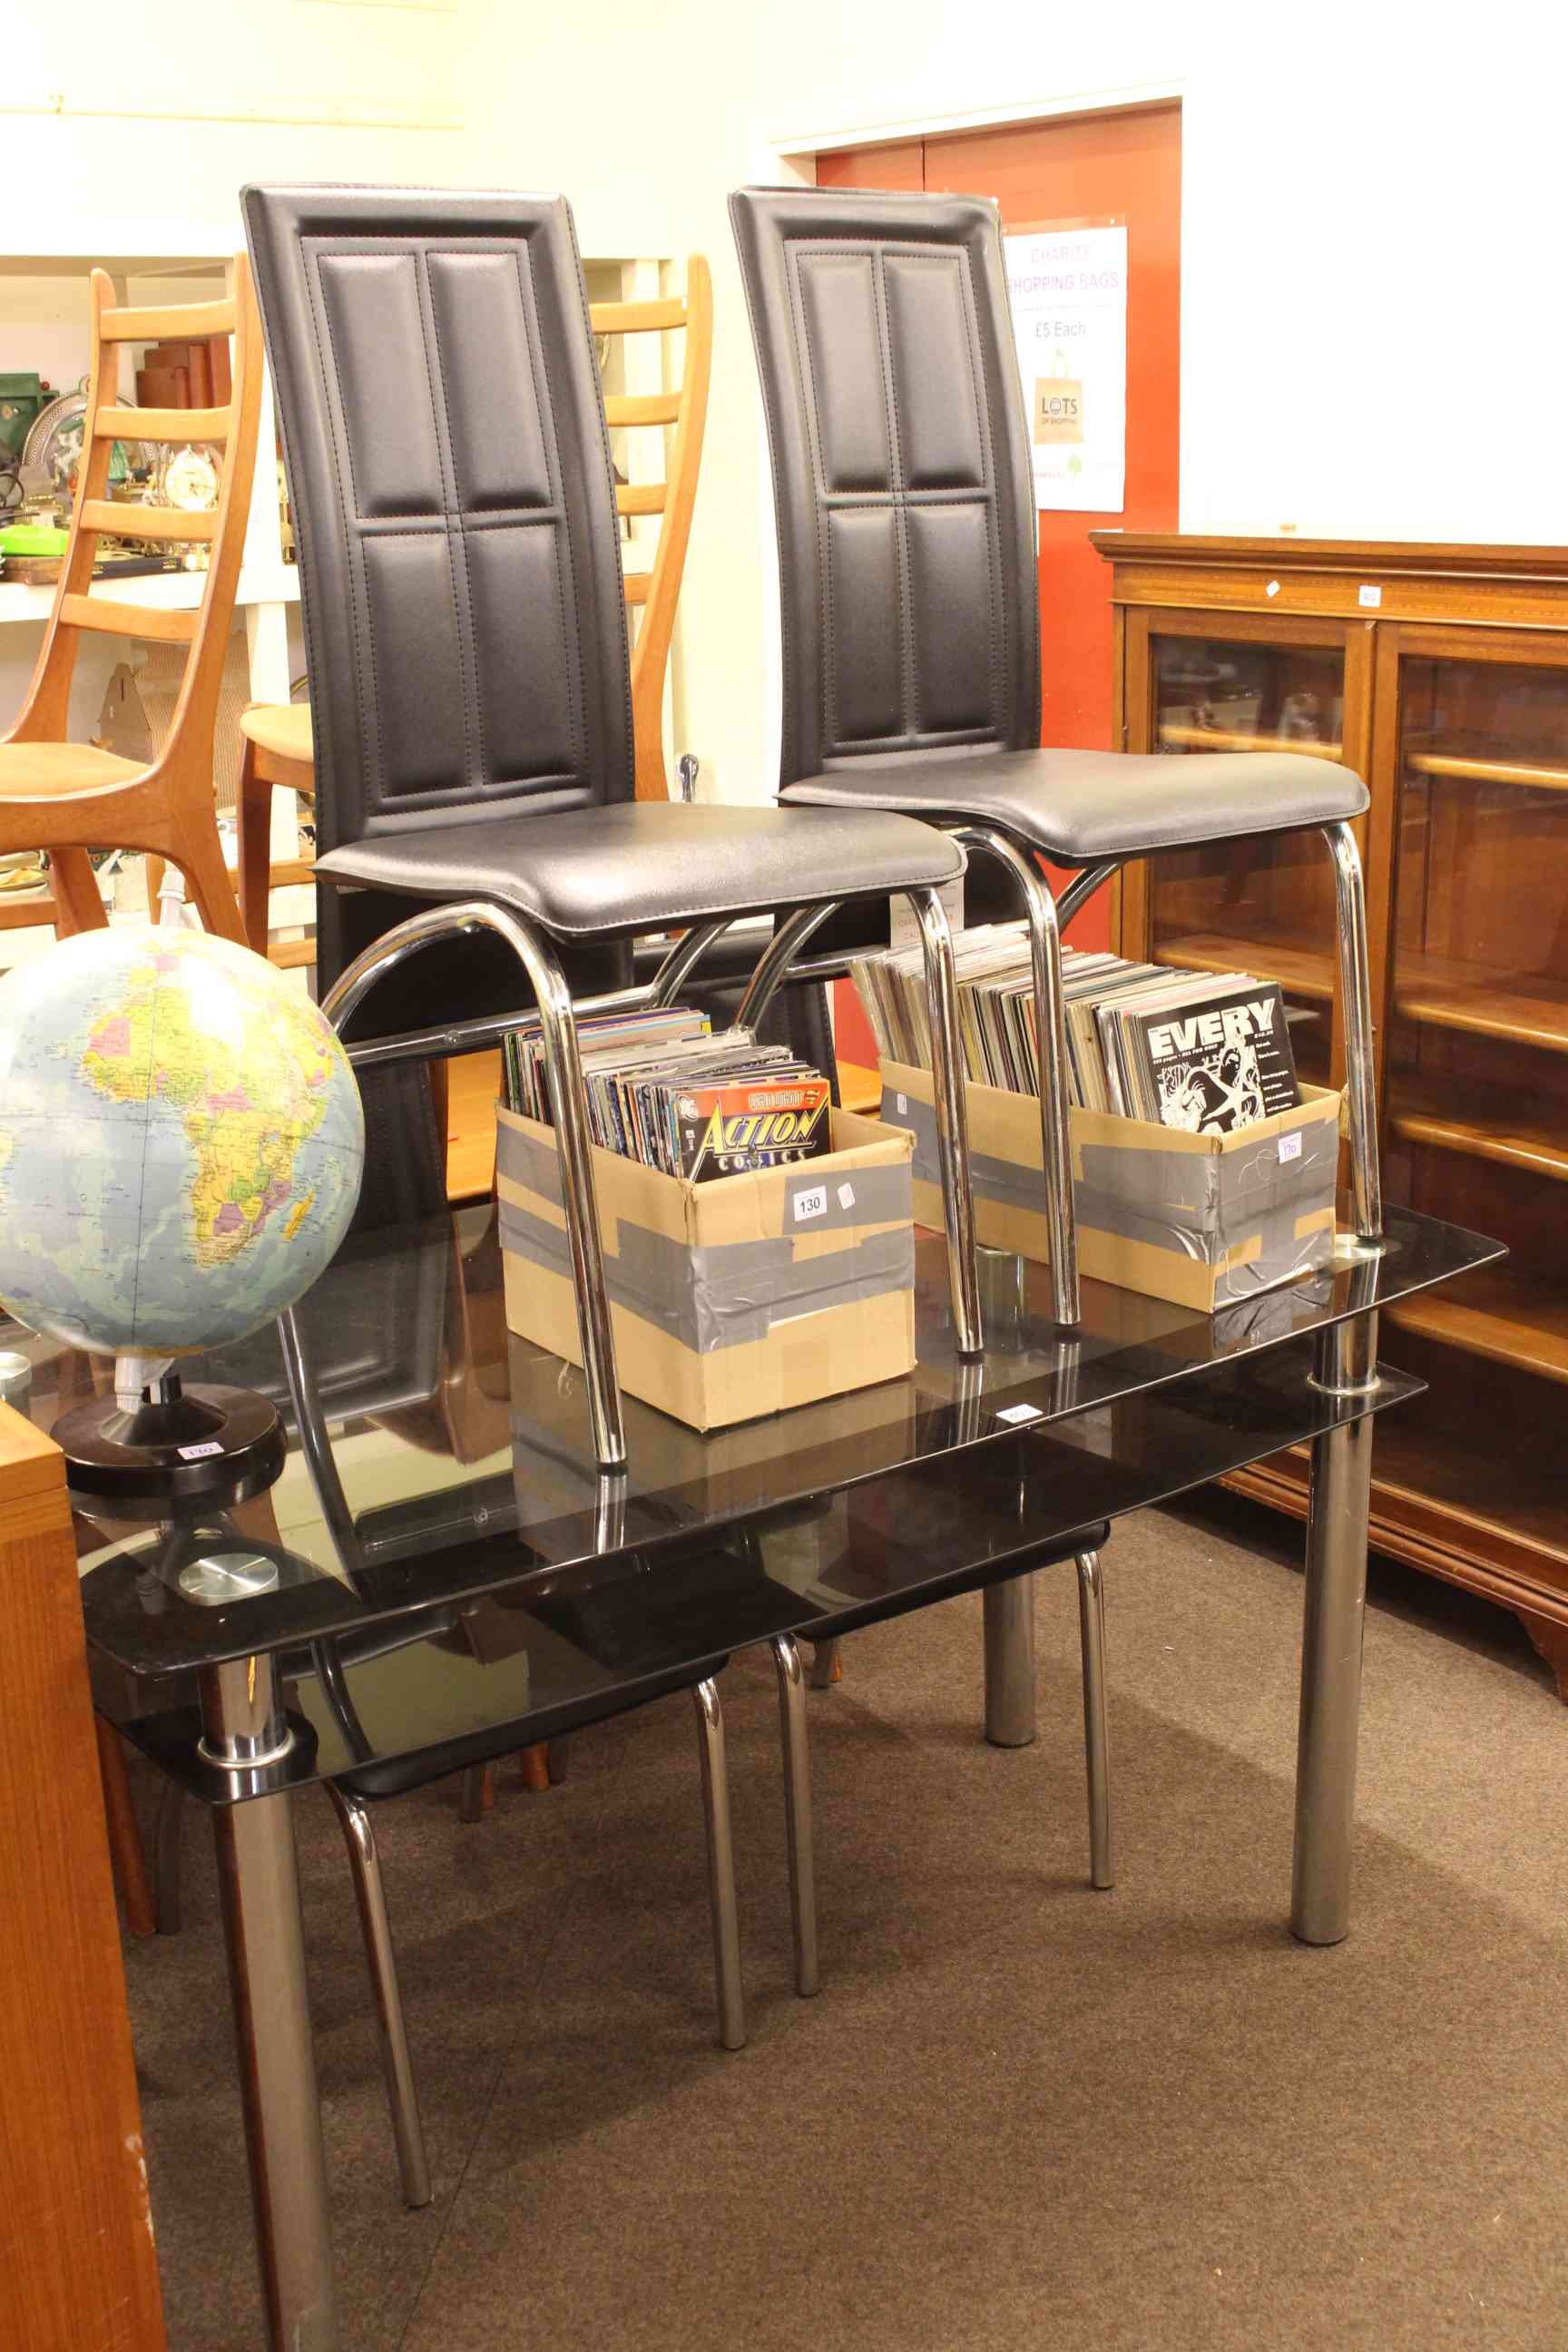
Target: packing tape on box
727	1293
1196	1204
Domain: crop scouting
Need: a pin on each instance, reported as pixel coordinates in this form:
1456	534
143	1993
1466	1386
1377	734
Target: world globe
181	1142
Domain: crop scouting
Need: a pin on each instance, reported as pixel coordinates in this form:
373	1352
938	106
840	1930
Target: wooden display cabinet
1441	674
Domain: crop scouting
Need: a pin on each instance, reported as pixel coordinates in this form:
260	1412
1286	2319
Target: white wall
1373	334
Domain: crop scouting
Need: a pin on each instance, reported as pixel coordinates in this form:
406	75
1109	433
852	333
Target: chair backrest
450	473
186	752
901	473
654	594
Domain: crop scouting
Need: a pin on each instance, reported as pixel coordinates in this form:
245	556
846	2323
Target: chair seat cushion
281	727
1081	807
634	865
54	772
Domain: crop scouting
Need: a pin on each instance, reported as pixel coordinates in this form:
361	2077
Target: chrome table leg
397	2065
825	1657
1009	1614
259	1888
797	1810
721	1867
1331	1641
1096	1729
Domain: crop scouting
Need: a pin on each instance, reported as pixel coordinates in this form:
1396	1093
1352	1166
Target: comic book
732	1129
1210	1062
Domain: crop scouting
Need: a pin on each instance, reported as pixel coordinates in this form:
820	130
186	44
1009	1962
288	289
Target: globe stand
211	1445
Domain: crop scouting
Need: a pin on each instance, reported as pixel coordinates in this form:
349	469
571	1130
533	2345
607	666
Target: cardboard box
729	1300
1200	1220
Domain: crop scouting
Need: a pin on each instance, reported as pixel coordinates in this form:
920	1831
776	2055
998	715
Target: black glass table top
434	1458
434	1645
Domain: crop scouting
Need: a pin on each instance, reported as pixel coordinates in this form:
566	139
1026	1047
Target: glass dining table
441	1555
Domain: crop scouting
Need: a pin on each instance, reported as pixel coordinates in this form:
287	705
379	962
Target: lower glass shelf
433	1647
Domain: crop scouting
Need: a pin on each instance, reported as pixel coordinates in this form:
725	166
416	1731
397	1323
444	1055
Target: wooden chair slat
146	522
636	585
642	408
641	498
184	322
163	424
637	318
154	622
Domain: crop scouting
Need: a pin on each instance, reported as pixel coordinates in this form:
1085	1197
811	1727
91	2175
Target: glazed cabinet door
1471	845
1213	682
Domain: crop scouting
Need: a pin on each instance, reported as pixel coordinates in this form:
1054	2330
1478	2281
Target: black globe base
210	1446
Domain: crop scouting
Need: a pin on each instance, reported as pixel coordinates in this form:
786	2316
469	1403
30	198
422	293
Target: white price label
903	1103
811	1204
1369	595
198	1453
846	1196
1290	1145
1272	589
1019	1413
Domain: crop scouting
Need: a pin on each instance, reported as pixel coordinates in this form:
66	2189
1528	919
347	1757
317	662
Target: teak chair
279	743
657	592
68	798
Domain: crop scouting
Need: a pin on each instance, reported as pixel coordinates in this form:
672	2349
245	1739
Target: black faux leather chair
466	636
907	543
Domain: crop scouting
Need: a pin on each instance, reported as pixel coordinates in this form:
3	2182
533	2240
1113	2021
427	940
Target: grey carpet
1020	2114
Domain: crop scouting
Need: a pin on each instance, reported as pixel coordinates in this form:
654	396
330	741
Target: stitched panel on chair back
453	499
901	473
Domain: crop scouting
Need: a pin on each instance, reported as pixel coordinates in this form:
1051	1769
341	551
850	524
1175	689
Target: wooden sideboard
77	2270
1440	674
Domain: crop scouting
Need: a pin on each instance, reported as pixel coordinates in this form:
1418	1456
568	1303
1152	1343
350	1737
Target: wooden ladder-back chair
68	798
656	591
280	750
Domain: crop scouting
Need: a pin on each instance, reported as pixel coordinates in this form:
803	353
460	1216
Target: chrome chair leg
1009	1620
947	1084
690	948
1096	1729
825	1657
1056	1134
1355	995
952	1120
791	934
365	1863
797	1810
563	1074
721	1867
166	1858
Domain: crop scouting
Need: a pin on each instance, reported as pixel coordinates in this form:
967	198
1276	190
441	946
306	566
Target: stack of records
662	1089
1208	1052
